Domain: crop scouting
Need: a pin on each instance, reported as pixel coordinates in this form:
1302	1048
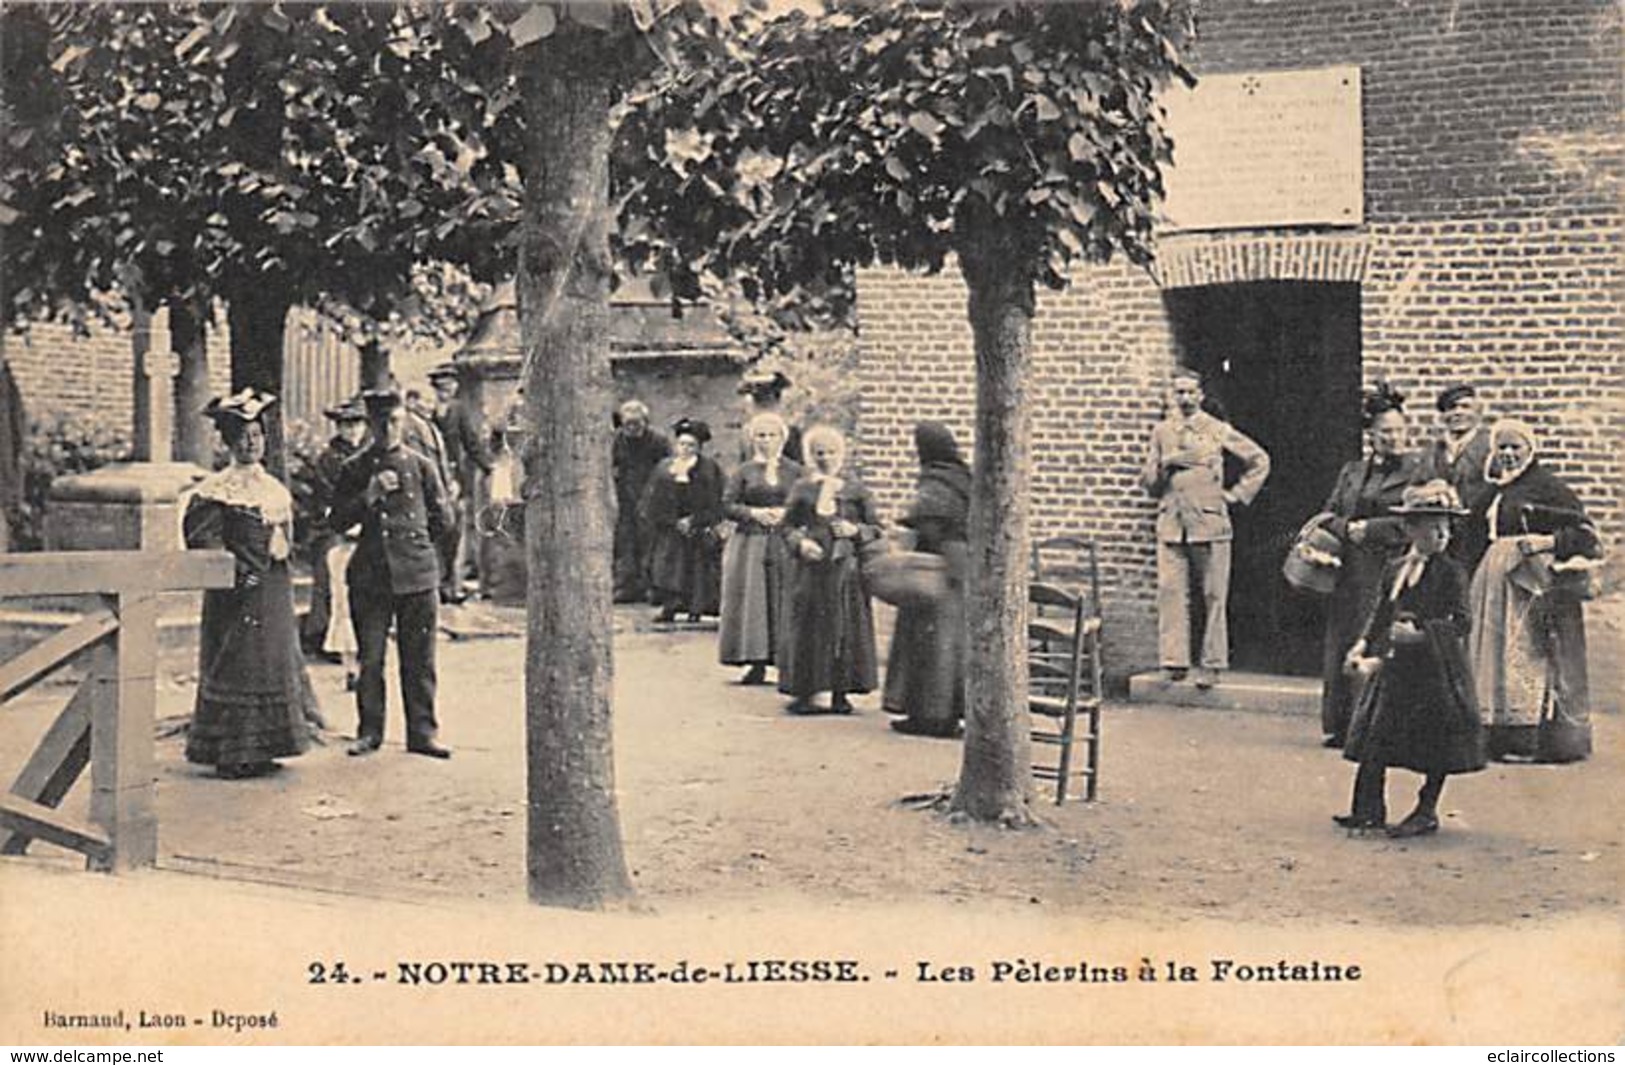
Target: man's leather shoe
429	750
364	745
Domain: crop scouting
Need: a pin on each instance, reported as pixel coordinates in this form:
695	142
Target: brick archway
1195	260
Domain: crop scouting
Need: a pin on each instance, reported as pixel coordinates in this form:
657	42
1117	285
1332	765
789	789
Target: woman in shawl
1529	643
1366	490
925	674
755	560
1420	712
253	695
830	641
682	505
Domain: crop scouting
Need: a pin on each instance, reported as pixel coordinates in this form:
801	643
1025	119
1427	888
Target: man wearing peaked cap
349	419
1457	457
398	499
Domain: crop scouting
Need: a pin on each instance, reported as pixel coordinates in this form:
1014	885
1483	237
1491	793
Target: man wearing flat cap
397	497
1458	457
462	431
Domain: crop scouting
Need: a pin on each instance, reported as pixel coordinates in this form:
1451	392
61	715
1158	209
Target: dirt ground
729	804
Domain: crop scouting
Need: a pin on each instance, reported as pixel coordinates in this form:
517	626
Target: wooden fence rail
108	723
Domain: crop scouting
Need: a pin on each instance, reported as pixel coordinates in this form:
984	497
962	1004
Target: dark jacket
399	530
463	433
1424	712
1537	502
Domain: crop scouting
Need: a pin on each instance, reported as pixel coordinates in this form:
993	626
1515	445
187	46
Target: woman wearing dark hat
755	561
1420	712
1529	638
253	693
681	508
764	394
1366	490
925	675
830	641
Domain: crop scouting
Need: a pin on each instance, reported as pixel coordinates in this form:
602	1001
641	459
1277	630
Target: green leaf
538	21
926	125
598	14
192	40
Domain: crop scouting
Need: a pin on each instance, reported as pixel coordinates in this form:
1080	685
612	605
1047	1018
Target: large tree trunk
188	333
995	777
573	855
259	321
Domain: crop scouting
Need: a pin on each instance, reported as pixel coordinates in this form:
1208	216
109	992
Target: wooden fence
108	723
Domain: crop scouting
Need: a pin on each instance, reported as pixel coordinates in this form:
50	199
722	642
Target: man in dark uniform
397	497
638	450
462	431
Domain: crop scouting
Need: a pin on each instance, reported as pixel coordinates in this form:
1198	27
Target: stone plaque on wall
1274	148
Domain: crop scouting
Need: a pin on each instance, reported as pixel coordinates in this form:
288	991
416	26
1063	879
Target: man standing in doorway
1458	457
396	496
462	431
1184	469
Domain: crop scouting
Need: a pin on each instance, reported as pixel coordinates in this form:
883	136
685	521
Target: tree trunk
995	777
188	333
259	321
573	855
375	370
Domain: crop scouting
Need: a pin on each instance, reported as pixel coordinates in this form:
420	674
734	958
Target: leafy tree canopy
898	133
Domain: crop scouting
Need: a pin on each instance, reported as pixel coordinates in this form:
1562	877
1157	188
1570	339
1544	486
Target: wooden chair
1065	671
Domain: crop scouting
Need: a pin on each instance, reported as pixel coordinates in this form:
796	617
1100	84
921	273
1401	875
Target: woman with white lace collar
253	694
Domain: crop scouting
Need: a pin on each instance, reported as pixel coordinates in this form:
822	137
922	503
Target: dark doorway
1282	358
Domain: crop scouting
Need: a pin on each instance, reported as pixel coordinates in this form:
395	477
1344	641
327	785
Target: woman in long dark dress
1421	713
925	673
830	642
682	506
1529	639
1366	491
253	695
755	561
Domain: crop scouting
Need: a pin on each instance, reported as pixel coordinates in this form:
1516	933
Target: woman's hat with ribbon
244	407
1430	498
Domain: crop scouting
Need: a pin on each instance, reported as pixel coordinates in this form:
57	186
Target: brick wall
1491	253
59	372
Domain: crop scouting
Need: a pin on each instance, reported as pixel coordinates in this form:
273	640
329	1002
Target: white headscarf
1509	427
829	483
770	462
